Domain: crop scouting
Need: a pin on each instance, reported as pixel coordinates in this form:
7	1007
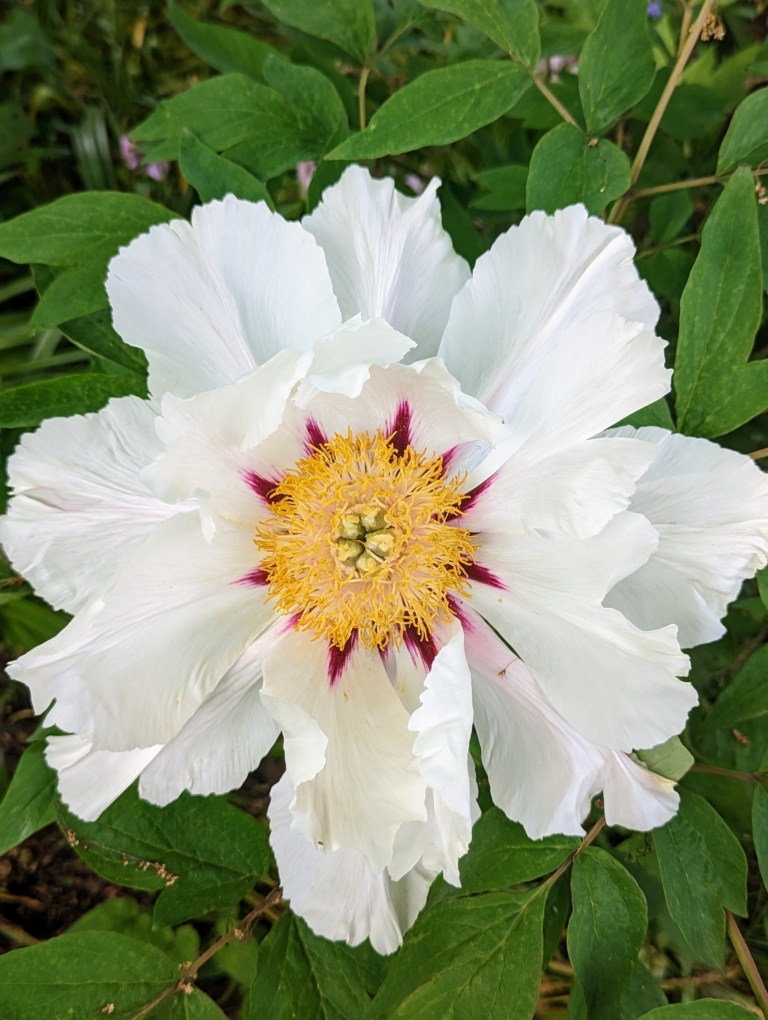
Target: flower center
357	539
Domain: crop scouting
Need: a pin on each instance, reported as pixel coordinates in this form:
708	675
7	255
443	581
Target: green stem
552	98
748	964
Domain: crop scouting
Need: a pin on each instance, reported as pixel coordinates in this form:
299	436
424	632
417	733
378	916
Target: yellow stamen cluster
357	539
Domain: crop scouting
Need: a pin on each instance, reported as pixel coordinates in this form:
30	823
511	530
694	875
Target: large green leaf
195	1005
438	108
213	176
703	869
94	333
29	802
79	228
606	931
616	66
77	291
501	854
672	759
350	24
254	124
226	49
746	140
303	975
720	312
512	24
506	185
200	851
568	167
475	956
28	405
124	915
746	697
83	975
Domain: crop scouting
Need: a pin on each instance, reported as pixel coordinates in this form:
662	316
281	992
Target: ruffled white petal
89	781
211	300
552	283
542	772
348	750
131	668
576	491
614	683
710	508
388	255
80	508
336	892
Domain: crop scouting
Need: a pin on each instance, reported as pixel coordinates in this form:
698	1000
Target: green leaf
226	49
606	931
566	167
657	413
29	622
78	290
703	869
759	830
720	312
507	188
616	66
466	239
762	585
704	1009
201	851
501	854
350	24
438	108
28	405
476	956
746	140
79	228
254	124
746	697
213	176
124	915
672	759
669	213
762	224
23	43
94	333
310	92
195	1005
81	975
303	975
29	802
511	24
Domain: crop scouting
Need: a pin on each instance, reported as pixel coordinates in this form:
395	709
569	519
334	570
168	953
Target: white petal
388	255
546	279
576	491
131	668
542	772
710	508
614	683
210	301
357	790
634	796
336	892
89	781
80	508
224	740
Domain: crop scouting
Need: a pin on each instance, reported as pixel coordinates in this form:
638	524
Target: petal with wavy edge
710	508
388	255
634	796
336	892
614	683
576	491
79	508
348	749
132	668
549	276
89	781
211	300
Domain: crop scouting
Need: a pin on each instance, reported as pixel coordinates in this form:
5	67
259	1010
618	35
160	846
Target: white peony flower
363	478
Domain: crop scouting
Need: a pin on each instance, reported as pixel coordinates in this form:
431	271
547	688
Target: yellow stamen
358	539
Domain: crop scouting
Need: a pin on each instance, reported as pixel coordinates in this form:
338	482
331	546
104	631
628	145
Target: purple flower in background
654	10
415	183
304	174
132	156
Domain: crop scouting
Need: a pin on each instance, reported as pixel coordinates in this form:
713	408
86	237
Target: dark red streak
399	432
339	657
425	648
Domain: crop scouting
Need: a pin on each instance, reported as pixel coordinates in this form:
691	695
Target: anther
380	543
372	518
